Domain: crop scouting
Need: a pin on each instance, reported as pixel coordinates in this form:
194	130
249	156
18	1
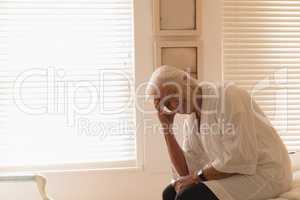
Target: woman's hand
185	182
166	118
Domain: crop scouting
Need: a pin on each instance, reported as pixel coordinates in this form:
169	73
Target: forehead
165	92
168	90
160	94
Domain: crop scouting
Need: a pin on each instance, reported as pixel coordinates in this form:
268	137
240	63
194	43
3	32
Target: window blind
261	48
66	82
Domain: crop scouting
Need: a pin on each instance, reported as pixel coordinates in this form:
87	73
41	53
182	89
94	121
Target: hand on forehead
164	98
168	103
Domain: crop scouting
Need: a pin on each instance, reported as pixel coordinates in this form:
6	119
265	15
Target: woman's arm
176	154
211	173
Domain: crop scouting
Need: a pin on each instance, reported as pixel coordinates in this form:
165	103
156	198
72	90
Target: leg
169	193
196	192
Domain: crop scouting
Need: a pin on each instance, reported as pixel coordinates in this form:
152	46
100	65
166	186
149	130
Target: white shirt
236	137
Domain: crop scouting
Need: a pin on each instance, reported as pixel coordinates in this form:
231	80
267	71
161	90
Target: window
261	44
66	83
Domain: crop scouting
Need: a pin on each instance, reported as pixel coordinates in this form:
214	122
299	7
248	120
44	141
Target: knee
185	194
169	193
181	196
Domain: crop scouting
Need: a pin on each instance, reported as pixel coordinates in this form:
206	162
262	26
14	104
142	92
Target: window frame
139	24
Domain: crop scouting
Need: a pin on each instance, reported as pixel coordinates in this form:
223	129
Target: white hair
168	75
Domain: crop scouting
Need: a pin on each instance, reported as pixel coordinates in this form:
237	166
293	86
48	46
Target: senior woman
230	149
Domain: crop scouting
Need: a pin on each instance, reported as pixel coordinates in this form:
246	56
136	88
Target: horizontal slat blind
66	82
261	41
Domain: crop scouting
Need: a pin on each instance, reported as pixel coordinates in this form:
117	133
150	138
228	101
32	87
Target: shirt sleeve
240	146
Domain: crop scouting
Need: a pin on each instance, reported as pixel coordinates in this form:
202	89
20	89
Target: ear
188	81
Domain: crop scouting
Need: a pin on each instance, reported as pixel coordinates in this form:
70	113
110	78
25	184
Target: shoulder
236	99
233	91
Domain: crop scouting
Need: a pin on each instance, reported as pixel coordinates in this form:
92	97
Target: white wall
148	182
212	39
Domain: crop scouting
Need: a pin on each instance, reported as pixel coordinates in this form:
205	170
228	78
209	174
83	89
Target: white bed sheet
294	193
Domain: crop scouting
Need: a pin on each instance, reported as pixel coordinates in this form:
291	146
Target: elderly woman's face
171	102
